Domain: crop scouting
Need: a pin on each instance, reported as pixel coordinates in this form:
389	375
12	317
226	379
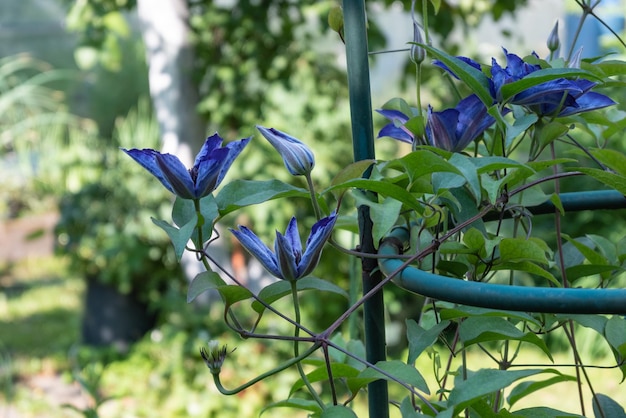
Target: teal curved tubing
494	296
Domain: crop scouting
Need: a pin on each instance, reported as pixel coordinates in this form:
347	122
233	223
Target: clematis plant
287	261
208	171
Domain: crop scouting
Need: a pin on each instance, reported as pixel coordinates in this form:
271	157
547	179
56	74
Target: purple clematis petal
177	175
147	159
202	179
473	121
454	129
256	247
586	102
287	262
286	256
395	129
320	233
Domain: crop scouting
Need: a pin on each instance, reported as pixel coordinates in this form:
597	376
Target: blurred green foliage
105	228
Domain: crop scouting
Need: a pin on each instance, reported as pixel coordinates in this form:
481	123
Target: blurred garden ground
73	208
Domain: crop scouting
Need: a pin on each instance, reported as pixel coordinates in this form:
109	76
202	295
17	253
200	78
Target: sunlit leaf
419	338
521	249
482	329
241	193
295	403
338	411
179	237
338	370
398	369
603	406
279	289
529	387
472	77
483	382
202	282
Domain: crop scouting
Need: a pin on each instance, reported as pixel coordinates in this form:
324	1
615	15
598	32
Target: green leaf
522	249
541	76
184	209
338	370
592	256
603	406
615	333
526	388
179	237
472	77
483	382
595	322
520	125
490	164
611	67
528	267
202	282
422	162
352	171
384	189
549	132
477	330
383	215
468	169
470	311
542	165
296	403
474	240
613	159
234	293
282	288
241	193
615	181
338	411
584	270
464	209
398	370
544	412
419	338
408	410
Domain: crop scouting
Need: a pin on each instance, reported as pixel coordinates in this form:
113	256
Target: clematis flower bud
214	357
298	158
418	54
553	40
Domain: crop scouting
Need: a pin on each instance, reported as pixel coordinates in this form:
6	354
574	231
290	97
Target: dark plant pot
112	318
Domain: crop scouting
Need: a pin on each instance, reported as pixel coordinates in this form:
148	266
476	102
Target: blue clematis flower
298	158
287	261
209	169
454	129
560	97
395	129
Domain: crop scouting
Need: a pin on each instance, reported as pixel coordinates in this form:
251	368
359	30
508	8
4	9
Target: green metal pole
355	34
496	296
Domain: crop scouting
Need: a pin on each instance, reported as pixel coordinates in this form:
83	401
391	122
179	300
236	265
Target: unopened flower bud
298	158
418	54
575	61
553	40
214	357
